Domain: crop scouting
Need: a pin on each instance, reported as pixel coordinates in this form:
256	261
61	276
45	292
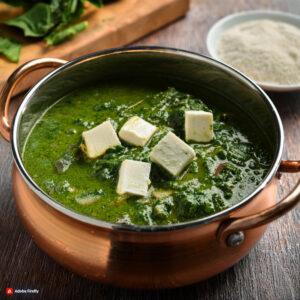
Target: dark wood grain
270	271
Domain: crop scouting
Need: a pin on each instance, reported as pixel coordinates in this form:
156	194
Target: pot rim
145	228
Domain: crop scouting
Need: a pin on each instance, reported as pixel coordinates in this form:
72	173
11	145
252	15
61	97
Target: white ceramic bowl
224	24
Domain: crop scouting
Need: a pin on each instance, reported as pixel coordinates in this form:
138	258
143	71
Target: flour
266	51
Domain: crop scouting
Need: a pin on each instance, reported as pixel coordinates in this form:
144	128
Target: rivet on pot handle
11	83
230	232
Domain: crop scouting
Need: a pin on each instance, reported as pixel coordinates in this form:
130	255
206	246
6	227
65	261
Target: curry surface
224	172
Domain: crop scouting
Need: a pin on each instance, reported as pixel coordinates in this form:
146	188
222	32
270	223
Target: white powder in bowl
266	51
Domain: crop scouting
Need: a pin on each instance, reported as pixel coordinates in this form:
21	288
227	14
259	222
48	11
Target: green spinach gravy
225	170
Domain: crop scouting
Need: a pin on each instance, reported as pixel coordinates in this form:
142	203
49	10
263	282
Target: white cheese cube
137	131
134	177
99	139
198	126
172	154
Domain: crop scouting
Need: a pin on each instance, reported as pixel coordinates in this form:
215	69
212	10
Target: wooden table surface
270	271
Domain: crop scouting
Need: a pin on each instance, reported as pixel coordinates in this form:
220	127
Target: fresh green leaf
48	19
10	48
71	10
36	22
66	33
55	4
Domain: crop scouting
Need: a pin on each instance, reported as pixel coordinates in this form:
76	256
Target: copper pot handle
11	83
230	232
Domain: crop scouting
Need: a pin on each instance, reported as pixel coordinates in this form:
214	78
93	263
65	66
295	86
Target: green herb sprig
53	20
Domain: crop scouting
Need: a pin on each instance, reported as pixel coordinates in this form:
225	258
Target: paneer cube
173	154
134	178
99	139
137	131
198	126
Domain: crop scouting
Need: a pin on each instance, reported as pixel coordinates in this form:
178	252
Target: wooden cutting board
116	24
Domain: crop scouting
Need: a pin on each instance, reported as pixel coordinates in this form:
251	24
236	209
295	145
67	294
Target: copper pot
145	256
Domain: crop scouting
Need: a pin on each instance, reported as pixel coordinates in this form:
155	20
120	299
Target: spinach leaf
71	10
10	48
106	169
48	19
36	22
65	34
63	163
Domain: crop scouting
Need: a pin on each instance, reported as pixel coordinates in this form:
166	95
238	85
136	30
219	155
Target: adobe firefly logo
9	291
